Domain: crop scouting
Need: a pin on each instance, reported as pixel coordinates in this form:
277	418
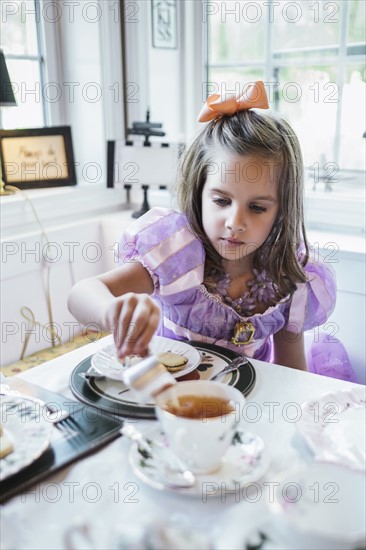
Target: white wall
80	46
165	79
153	76
39	266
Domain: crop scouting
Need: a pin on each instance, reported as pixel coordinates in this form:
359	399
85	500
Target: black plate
106	394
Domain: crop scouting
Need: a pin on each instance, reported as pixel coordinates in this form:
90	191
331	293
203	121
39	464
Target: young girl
232	268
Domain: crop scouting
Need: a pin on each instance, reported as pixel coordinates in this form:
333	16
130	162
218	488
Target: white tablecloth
104	488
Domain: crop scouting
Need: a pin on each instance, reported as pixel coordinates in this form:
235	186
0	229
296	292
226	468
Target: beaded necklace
261	290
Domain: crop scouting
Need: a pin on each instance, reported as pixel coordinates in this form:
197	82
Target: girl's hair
269	138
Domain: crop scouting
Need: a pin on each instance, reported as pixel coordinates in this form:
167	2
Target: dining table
101	501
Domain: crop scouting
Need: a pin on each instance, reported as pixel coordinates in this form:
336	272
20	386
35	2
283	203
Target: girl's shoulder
160	220
159	225
314	301
164	243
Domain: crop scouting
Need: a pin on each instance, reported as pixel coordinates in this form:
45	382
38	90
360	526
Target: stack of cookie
172	361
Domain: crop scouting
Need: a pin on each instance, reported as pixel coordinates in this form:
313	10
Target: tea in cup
199	418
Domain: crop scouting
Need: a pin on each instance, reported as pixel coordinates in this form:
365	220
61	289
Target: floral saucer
30	431
245	462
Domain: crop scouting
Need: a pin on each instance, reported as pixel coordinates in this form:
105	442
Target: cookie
172	361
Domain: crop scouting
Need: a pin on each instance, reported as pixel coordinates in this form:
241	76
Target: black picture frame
164	24
35	158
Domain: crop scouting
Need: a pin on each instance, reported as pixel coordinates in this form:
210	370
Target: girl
232	267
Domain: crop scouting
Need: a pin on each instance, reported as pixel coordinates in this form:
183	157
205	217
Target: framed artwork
164	23
36	158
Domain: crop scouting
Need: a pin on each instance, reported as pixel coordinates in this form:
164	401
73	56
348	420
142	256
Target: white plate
106	361
320	506
26	422
334	427
245	461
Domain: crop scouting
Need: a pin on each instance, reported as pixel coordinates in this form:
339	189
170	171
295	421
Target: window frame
329	206
49	64
342	60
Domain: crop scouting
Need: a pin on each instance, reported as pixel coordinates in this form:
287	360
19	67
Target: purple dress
164	244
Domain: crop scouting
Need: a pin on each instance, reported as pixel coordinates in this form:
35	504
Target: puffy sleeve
314	301
162	241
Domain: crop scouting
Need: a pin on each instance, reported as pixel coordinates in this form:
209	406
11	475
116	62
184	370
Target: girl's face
239	204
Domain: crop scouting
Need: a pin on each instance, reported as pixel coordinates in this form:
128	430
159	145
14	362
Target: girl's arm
119	301
289	349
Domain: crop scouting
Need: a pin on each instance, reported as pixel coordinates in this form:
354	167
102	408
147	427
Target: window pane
353	126
18	28
302	23
301	56
309	99
237	31
230	80
357	18
26	81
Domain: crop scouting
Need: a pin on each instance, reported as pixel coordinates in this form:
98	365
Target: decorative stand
145	204
127	187
144	129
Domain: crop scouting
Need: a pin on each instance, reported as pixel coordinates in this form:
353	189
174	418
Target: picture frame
164	24
35	158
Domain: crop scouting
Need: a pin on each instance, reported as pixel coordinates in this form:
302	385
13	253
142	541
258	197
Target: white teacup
200	442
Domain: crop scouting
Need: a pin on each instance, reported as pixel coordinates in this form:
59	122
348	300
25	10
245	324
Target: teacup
199	418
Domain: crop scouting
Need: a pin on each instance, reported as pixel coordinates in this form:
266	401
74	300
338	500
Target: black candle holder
145	204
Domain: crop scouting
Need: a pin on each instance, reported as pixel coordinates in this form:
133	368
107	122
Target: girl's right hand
134	319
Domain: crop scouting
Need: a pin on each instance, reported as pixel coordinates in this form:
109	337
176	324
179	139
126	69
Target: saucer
245	462
30	432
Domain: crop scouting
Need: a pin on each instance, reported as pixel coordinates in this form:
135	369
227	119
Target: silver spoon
234	365
174	476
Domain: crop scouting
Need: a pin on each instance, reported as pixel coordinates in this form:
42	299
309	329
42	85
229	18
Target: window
21	42
311	56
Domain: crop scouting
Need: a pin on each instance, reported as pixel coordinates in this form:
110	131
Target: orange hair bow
254	96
